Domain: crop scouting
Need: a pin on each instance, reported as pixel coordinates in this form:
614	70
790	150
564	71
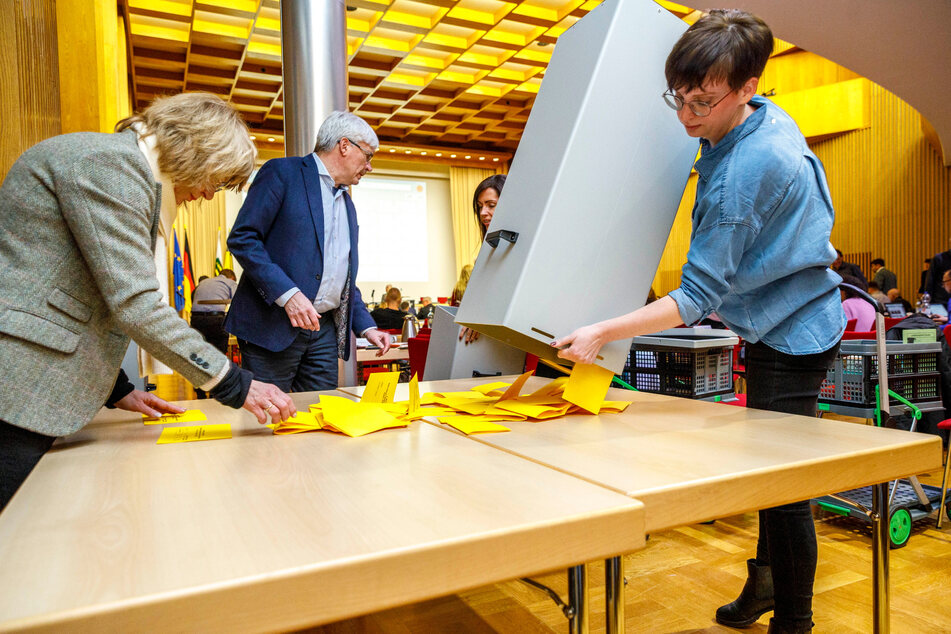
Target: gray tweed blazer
78	221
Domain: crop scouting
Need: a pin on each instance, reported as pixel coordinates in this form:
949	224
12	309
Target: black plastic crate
912	373
691	373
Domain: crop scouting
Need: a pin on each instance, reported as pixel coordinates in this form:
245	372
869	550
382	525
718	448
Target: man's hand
939	319
379	339
147	403
264	399
581	346
301	312
468	335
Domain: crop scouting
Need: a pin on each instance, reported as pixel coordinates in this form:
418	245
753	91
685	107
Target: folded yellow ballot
188	416
472	424
191	434
380	387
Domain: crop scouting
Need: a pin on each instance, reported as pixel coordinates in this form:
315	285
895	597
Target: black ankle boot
775	627
754	601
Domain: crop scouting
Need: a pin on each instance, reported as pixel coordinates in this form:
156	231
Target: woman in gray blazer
80	215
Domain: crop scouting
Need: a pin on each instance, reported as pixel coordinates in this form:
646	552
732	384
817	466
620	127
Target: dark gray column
314	51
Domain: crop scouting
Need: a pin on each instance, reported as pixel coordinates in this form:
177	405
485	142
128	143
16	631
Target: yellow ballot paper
380	387
191	434
414	405
472	424
356	419
587	386
515	388
188	416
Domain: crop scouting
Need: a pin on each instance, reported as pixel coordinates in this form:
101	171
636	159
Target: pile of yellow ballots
477	410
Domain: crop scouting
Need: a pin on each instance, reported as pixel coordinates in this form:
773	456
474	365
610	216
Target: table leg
614	595
578	600
880	544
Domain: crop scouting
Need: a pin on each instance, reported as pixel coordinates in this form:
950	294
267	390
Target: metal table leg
880	543
578	600
614	595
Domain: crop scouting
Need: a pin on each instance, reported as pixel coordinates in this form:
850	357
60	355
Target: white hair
342	124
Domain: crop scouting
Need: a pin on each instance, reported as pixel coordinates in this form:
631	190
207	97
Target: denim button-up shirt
759	251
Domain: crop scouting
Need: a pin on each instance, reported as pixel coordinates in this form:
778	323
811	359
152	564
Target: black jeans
20	450
787	383
307	365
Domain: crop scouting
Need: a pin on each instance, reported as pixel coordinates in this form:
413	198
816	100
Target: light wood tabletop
262	532
690	461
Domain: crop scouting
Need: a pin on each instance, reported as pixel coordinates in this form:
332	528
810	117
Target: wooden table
114	532
690	461
395	353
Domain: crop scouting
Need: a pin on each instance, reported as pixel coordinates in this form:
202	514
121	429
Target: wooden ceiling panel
454	77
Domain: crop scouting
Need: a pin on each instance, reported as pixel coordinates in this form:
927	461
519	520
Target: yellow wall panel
830	109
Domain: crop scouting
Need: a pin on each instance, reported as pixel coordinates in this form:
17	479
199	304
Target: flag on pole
187	263
218	266
178	275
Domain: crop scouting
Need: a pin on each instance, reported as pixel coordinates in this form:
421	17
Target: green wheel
899	527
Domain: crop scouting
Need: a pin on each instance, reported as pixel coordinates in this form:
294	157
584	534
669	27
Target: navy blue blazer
278	238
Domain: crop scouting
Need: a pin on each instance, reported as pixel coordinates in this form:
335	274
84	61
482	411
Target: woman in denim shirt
759	256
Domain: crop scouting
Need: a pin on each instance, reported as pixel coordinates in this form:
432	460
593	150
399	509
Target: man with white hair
296	238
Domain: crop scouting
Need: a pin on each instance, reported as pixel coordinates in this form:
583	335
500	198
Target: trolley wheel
899	528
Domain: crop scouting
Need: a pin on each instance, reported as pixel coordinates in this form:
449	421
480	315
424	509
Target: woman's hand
147	403
581	346
469	335
264	399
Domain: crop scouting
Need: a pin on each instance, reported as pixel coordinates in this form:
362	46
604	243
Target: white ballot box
593	189
449	358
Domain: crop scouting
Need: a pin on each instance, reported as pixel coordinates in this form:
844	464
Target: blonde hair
201	140
464	275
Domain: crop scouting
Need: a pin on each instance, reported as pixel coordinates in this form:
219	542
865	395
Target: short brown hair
726	44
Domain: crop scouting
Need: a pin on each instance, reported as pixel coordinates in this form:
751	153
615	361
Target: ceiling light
424	153
392	149
271	139
468	156
407	151
452	156
496	159
481	158
438	153
254	138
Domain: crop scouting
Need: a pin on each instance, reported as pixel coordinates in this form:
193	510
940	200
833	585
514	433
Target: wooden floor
676	583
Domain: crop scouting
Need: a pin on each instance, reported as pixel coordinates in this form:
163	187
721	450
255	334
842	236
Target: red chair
531	362
418	350
891	321
850	324
859	334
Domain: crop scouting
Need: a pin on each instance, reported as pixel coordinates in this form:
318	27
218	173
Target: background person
209	305
79	215
388	315
758	184
296	238
840	266
855	307
426	309
485	199
885	279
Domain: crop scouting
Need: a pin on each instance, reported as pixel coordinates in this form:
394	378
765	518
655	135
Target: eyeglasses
699	108
367	155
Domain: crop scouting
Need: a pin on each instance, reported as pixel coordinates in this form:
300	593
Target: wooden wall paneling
29	85
90	59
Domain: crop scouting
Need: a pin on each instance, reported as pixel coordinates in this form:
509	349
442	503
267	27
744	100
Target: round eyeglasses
699	108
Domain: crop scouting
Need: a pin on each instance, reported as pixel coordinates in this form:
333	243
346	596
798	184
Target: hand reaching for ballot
581	346
379	339
264	399
301	312
147	403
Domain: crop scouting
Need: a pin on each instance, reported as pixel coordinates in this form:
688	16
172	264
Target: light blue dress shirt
759	251
336	250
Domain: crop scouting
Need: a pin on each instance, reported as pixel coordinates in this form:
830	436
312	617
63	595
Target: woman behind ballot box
79	219
759	256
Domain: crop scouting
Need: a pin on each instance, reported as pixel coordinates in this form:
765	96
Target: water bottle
926	303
